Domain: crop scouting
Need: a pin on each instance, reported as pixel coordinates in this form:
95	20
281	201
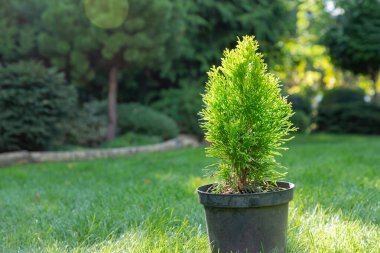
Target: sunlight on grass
194	182
163	235
326	230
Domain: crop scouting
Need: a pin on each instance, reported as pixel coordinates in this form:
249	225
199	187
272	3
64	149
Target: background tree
105	41
306	65
211	26
354	39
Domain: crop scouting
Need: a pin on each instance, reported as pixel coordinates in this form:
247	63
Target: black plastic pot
252	223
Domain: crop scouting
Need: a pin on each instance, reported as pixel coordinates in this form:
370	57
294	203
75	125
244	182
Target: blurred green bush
34	100
300	103
302	112
183	105
134	117
343	110
358	118
342	96
301	121
86	126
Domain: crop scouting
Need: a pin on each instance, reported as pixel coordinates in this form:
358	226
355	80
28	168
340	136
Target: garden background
87	75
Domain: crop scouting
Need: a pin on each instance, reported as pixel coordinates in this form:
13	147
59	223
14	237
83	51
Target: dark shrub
87	126
349	118
134	117
183	105
301	121
300	103
342	96
33	101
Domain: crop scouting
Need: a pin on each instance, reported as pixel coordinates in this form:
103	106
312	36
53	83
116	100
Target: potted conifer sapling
246	121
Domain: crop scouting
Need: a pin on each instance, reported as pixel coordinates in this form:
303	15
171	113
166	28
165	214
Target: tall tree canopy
103	41
354	39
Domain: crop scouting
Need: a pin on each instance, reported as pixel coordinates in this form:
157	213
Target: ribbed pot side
251	223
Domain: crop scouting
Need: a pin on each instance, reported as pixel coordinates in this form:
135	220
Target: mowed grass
147	203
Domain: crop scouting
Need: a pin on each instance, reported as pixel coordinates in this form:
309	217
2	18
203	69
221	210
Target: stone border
11	158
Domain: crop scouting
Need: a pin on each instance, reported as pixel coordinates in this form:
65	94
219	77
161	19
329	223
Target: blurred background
93	73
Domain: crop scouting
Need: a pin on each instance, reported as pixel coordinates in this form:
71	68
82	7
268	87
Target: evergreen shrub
34	100
245	119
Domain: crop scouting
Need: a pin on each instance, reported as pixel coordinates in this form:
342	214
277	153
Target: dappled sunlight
337	171
372	183
321	229
181	239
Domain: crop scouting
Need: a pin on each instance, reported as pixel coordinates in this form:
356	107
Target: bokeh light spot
106	14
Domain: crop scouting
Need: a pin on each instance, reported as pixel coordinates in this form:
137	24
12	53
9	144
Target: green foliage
301	121
182	104
86	126
357	118
154	37
137	118
33	101
246	119
343	110
213	25
306	66
17	30
300	103
106	14
144	35
354	38
132	139
342	96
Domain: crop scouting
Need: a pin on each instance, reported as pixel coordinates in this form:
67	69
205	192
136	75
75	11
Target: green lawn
147	203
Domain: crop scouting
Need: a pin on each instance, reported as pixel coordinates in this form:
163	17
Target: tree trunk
112	102
374	77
